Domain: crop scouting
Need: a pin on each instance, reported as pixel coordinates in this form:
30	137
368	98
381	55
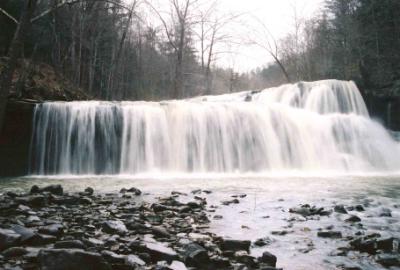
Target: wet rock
262	242
268	258
67	259
386	244
53	189
159	252
364	245
243	257
234	201
340	209
133	190
53	229
195	255
37	201
35	189
8	238
89	191
85	201
133	261
160	231
359	208
353	219
177	265
113	257
329	234
389	260
235	245
306	210
24	232
385	212
114	227
14	252
70	244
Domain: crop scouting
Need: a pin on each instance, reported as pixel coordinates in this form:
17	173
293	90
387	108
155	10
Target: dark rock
70	244
218	217
160	231
364	245
340	209
37	201
243	257
159	252
235	245
53	189
133	190
195	255
385	244
385	213
113	257
262	242
234	201
86	201
114	227
268	258
306	210
89	191
68	259
14	252
359	208
35	189
8	238
389	260
329	234
353	219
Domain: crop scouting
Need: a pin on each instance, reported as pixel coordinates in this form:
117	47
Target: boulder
268	258
195	255
235	245
329	234
8	238
114	227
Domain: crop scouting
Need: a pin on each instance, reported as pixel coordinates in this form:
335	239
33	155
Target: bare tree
16	46
177	36
265	40
211	34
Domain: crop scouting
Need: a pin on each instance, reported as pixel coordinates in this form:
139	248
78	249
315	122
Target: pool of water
265	208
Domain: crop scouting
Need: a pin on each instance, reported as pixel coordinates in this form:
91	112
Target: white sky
276	15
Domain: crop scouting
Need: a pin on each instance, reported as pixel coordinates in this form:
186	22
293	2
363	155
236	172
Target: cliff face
15	138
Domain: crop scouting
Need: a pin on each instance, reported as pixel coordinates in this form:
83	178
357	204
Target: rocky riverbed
48	228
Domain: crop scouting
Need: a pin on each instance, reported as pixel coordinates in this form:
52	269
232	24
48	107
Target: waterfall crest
308	126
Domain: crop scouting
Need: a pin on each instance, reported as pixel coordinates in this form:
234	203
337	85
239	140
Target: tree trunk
15	48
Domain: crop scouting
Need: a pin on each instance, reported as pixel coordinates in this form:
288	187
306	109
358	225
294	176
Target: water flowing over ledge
311	127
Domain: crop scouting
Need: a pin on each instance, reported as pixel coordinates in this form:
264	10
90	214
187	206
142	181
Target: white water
309	127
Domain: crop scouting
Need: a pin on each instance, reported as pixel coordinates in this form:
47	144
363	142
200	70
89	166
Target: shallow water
265	208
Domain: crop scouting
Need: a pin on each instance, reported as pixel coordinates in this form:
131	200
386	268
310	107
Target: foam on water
311	127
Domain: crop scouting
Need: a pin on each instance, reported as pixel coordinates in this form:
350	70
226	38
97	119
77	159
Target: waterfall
308	126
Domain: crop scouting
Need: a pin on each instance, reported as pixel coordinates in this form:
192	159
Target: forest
116	50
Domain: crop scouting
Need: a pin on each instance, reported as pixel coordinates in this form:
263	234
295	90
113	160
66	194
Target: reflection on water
265	208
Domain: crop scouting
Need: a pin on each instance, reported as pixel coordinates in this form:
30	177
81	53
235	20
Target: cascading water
316	126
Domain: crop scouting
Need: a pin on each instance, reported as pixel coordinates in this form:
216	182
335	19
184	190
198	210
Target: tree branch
8	15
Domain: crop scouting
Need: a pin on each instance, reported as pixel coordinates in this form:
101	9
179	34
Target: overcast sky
276	15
